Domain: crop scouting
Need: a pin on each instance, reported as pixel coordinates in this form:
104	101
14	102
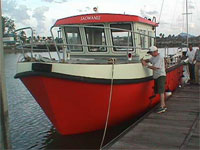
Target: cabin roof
102	18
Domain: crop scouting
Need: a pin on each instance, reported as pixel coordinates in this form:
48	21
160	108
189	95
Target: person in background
197	65
159	75
191	58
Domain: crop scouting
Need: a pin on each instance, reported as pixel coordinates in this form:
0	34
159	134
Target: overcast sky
42	14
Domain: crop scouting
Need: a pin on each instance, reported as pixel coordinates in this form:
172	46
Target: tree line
176	41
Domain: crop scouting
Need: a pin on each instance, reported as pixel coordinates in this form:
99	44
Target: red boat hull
76	107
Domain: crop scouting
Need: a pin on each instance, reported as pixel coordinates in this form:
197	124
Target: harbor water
29	126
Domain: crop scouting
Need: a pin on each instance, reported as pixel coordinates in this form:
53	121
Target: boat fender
41	67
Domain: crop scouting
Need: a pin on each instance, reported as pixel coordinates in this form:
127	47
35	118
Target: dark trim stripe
82	79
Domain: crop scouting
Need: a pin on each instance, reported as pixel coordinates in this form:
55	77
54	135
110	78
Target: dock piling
4	128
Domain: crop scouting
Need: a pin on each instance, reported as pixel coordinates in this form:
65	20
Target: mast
187	27
187	21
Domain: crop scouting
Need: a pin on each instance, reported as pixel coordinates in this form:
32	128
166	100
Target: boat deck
178	128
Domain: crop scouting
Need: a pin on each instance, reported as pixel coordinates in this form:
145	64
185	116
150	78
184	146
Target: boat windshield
73	39
96	40
121	38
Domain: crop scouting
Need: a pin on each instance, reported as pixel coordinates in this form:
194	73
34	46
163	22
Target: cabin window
96	39
143	39
151	39
121	37
73	39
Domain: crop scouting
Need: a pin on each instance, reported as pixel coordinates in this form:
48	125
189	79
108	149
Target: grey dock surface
176	129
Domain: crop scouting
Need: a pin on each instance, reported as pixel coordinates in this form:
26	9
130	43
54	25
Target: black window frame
81	43
130	39
87	40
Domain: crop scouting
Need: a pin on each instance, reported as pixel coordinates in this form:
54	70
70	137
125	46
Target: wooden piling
4	128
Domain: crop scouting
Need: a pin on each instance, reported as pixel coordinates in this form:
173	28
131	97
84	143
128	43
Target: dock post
4	128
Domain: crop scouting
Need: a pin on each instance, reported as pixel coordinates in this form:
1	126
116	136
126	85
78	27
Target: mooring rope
109	105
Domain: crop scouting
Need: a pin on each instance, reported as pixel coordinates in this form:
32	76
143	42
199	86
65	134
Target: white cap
152	49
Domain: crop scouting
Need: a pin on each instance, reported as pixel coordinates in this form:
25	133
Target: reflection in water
91	140
80	141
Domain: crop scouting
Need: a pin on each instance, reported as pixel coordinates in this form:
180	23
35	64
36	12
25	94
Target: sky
42	14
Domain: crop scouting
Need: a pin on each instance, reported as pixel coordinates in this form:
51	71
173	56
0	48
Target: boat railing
173	59
127	48
62	49
67	51
26	28
34	50
32	47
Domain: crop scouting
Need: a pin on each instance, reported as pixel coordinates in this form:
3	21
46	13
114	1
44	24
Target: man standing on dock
191	58
159	75
197	65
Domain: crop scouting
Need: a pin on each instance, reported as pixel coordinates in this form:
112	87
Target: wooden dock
176	129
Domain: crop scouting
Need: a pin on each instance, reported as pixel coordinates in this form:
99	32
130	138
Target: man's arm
144	61
152	67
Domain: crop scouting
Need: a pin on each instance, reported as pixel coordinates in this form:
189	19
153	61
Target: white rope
109	105
160	11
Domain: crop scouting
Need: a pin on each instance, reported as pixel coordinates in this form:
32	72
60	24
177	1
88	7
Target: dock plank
178	128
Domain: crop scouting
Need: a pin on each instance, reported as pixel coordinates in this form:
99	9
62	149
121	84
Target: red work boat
97	72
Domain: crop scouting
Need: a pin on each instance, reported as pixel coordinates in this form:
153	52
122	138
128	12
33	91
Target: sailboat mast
187	21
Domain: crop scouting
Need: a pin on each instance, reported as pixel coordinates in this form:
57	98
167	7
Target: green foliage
8	25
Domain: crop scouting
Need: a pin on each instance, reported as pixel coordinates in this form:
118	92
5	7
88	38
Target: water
29	126
28	123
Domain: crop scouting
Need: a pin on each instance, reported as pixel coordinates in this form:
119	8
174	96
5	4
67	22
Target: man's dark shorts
159	87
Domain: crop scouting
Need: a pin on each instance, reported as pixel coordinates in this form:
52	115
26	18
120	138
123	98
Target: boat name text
90	18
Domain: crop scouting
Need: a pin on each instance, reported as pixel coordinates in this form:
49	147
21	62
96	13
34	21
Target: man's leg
193	73
162	100
197	66
190	71
161	90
